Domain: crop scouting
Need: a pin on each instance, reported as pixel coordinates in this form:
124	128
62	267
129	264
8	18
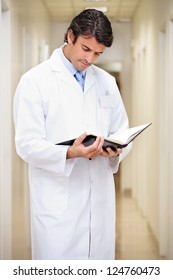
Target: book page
125	136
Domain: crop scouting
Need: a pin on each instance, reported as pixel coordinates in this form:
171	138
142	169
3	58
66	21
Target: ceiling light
101	9
96	0
124	20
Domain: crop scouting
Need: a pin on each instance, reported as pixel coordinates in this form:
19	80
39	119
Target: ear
70	37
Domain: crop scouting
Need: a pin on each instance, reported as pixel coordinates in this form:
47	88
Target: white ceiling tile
65	10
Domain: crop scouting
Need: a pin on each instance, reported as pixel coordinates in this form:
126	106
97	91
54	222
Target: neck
66	51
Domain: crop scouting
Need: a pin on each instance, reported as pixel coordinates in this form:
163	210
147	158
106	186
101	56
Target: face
83	52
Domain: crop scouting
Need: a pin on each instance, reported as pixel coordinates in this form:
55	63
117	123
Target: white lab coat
72	200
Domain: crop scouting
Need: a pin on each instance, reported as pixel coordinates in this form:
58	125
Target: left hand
110	153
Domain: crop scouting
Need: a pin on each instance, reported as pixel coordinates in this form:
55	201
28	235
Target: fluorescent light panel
96	0
101	9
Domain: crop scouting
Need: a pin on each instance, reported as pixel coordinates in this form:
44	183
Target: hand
79	150
110	153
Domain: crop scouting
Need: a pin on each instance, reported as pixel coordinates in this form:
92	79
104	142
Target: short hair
91	23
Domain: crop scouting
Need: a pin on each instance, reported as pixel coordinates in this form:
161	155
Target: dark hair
92	22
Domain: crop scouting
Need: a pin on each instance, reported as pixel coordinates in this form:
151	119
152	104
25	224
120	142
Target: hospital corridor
134	239
141	60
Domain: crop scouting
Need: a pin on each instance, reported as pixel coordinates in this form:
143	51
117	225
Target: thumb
80	139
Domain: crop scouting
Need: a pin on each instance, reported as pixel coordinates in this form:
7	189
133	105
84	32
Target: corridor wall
27	29
30	30
152	88
5	134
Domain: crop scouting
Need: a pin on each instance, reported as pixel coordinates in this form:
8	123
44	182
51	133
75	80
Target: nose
90	58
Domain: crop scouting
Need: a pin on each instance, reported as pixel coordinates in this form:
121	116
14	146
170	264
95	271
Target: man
72	193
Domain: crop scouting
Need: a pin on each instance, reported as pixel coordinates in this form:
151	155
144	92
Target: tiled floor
134	238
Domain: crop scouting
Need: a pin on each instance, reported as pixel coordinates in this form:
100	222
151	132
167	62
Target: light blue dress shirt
73	70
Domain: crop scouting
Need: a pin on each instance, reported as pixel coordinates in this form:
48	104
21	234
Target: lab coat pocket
50	193
107	101
106	105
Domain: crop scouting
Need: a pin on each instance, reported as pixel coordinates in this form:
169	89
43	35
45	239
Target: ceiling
117	10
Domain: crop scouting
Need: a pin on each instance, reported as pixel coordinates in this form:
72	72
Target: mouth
85	63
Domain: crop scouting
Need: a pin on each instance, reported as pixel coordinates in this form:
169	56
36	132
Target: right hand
79	150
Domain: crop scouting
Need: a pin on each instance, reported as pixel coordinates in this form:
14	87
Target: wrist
71	153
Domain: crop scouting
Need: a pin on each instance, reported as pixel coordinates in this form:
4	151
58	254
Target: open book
119	139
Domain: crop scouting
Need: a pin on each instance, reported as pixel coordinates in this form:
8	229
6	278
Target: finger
119	151
104	153
100	145
96	147
113	153
80	139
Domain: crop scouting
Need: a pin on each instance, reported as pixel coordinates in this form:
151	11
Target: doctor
72	194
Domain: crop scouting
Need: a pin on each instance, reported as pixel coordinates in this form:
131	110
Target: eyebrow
83	45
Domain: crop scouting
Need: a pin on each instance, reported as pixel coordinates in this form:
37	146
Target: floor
134	238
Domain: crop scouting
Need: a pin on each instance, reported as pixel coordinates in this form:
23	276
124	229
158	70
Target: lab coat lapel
64	74
67	77
58	66
90	79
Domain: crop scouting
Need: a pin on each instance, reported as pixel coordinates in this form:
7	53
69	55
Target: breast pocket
106	105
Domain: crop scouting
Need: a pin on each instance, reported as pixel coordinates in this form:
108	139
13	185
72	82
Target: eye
85	49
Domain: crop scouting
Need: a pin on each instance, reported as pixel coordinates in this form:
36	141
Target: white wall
25	33
5	134
152	89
